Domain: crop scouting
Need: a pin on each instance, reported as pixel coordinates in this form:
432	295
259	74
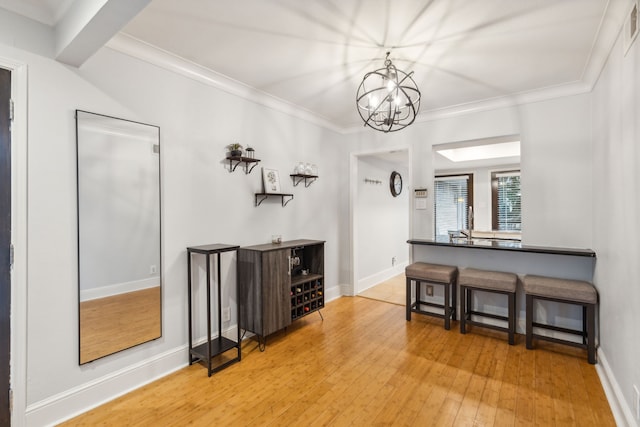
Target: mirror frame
124	347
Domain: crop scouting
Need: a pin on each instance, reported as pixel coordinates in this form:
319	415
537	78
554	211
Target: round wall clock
395	184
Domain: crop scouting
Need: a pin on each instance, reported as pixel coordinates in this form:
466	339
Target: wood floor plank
366	365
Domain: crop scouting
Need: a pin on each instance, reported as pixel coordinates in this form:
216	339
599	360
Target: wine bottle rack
307	295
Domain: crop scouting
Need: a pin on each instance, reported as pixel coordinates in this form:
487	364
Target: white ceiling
313	54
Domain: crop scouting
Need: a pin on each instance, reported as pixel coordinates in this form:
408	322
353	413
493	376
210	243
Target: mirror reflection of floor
392	291
111	324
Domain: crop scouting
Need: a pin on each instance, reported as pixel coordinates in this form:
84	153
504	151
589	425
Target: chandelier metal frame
388	99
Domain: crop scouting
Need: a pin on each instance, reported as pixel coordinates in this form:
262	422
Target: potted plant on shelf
235	149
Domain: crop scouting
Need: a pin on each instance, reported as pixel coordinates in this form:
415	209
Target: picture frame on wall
271	181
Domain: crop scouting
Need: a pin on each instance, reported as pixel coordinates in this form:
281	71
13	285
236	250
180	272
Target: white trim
19	280
136	48
118	288
332	293
530	97
80	399
622	413
381	276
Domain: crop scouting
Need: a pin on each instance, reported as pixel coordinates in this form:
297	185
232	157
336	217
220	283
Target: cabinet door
276	289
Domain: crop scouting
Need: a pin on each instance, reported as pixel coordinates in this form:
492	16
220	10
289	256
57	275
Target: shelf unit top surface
284	245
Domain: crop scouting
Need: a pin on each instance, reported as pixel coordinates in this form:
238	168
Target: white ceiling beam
89	24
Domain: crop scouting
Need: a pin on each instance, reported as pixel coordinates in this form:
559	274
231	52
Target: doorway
380	219
5	245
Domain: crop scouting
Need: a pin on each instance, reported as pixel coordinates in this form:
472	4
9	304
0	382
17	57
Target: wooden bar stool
566	291
434	274
470	280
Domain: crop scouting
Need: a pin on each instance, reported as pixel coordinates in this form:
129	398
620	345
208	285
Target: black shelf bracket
235	161
298	178
264	196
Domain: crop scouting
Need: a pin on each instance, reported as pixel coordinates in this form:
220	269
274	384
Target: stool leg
591	333
512	318
454	298
408	299
463	309
447	307
529	326
584	323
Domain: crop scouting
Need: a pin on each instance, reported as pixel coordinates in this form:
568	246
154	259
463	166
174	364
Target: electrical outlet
153	269
429	290
226	314
636	402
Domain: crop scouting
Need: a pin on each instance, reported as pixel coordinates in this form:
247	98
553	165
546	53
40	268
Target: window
453	195
506	203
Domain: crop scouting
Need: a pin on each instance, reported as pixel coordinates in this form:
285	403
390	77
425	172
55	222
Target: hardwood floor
393	290
366	365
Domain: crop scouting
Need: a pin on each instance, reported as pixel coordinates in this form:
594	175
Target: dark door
5	244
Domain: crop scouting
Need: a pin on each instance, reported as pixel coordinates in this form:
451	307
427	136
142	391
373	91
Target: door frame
19	176
353	197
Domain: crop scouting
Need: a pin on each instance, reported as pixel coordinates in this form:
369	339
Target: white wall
616	202
202	203
382	222
555	145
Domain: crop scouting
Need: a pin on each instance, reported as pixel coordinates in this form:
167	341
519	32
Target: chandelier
388	99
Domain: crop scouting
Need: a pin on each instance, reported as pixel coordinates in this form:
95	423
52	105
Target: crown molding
146	52
606	36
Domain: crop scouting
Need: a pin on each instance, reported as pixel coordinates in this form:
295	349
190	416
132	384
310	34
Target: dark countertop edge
284	245
522	248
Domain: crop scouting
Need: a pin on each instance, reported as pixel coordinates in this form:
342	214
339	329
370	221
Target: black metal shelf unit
217	345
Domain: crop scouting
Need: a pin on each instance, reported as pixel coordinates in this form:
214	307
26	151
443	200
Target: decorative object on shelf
395	184
251	153
270	181
306	172
388	99
276	239
235	150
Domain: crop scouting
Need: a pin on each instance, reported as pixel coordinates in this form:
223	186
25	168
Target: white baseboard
622	413
381	276
332	293
80	399
118	288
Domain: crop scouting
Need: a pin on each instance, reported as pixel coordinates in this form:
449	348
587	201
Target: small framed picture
270	181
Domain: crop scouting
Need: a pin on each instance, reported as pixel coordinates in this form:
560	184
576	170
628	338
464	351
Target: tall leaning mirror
119	280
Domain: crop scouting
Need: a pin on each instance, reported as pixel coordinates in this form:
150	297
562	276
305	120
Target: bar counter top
503	245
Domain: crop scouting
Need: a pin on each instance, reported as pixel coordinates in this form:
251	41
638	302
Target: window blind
509	212
451	199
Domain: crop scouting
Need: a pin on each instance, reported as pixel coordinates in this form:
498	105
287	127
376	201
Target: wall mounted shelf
298	178
264	196
249	163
